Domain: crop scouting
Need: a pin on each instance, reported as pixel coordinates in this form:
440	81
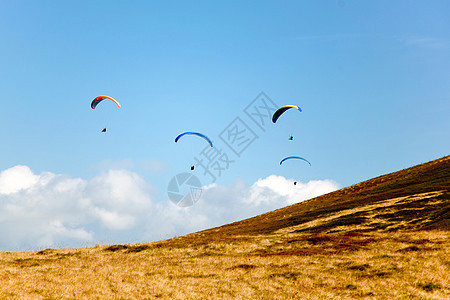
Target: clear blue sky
372	78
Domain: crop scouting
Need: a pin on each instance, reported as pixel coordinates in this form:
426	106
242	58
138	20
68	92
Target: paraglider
294	157
99	99
194	133
281	110
197	134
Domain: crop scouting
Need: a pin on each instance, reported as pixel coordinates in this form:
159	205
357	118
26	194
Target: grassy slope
434	211
385	238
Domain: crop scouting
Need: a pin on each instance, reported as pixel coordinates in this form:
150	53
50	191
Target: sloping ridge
416	198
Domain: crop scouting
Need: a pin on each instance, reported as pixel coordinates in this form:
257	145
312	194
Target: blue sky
370	76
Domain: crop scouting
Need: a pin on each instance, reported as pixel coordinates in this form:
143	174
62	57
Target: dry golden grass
382	239
346	265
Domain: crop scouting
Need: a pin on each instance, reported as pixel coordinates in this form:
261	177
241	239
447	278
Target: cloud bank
48	210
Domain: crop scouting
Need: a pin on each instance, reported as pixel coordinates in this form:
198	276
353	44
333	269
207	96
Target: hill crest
410	199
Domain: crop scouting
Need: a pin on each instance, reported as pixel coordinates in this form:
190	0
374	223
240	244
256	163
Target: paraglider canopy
194	133
281	110
99	99
294	157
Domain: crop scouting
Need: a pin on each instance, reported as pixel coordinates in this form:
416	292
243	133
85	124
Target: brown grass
379	265
386	238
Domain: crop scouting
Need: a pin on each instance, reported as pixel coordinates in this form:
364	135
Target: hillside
384	238
411	199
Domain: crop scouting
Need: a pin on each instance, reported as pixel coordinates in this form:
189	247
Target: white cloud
222	204
49	210
287	192
427	42
16	179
